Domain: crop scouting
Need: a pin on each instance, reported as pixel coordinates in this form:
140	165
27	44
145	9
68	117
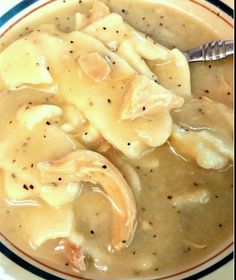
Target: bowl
16	14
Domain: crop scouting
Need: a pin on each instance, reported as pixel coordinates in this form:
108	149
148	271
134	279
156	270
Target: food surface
116	156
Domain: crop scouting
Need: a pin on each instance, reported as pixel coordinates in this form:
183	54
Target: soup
116	155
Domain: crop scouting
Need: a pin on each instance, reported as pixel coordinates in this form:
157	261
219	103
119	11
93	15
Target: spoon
211	51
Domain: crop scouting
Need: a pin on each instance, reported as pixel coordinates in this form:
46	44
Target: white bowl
15	13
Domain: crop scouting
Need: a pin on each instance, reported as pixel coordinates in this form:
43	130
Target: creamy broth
184	211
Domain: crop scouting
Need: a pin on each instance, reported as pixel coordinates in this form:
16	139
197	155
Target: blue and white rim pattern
39	272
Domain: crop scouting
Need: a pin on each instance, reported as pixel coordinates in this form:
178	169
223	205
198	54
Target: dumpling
150	105
128	52
208	150
19	154
147	48
207	113
112	31
16	188
57	223
96	100
133	46
31	115
174	73
86	44
156	130
22	63
22	186
145	97
58	196
109	29
81	20
74	120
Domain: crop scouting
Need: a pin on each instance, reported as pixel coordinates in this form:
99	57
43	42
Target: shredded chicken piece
94	66
145	97
88	166
76	256
98	11
103	147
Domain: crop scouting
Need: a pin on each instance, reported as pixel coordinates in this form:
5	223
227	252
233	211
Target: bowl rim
4	19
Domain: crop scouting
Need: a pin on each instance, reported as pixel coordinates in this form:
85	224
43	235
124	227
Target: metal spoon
211	51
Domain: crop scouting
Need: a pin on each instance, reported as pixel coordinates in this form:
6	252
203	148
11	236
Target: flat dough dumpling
147	48
74	119
84	43
92	97
109	29
21	187
98	11
205	112
145	97
132	45
174	74
21	177
208	150
156	130
112	31
45	223
123	137
138	48
49	37
22	63
31	115
128	52
96	100
25	185
14	189
57	196
81	20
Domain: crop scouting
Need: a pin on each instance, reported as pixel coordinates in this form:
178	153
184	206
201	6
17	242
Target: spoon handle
211	51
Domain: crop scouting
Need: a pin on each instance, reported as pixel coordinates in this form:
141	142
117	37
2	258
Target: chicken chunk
94	66
76	256
98	11
84	165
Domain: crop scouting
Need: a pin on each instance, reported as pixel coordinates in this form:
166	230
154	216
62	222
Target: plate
13	265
